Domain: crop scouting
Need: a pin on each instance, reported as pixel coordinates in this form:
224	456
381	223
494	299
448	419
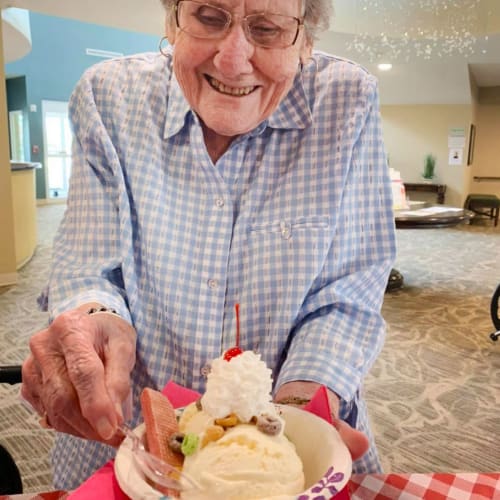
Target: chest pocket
283	257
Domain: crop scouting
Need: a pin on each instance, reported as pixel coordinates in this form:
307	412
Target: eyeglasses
264	29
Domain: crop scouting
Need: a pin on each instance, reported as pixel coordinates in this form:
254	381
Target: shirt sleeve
86	252
341	331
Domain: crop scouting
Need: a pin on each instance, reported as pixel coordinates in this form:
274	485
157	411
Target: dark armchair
10	477
494	310
10	374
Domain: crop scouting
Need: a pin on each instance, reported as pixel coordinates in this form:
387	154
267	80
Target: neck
216	144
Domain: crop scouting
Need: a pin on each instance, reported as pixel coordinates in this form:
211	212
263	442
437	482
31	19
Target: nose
234	53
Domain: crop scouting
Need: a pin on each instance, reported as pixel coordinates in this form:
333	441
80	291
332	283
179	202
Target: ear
170	29
306	50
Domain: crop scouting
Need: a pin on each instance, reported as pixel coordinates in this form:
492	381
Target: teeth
236	91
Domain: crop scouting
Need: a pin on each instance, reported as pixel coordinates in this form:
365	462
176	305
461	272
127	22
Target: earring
162	45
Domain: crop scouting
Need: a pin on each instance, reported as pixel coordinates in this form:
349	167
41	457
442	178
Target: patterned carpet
434	393
19	430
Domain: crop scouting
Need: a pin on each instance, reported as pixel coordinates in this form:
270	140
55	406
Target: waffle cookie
161	422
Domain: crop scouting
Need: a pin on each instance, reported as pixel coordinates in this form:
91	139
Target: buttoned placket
220	217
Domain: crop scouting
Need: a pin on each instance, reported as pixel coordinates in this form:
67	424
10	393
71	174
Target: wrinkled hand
355	440
78	373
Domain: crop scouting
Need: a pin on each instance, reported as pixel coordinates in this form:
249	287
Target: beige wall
411	132
487	149
7	243
24	204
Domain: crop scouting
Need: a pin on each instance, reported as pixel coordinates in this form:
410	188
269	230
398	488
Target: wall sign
456	145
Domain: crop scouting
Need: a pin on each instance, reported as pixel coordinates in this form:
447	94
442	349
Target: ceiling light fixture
404	29
384	66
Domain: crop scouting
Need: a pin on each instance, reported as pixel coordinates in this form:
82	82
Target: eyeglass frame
231	18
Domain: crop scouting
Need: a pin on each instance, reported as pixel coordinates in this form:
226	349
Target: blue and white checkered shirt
294	222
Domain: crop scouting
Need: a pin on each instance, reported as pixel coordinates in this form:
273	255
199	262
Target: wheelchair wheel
495	308
10	478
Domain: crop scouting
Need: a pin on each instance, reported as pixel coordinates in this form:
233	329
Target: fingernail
104	428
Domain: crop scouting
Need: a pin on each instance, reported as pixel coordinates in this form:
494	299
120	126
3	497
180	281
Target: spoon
156	469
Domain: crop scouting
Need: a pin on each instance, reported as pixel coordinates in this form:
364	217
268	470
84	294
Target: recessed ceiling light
385	66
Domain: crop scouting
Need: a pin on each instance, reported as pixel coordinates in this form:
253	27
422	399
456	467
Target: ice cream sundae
232	442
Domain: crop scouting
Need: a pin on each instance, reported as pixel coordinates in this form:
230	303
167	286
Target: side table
429	187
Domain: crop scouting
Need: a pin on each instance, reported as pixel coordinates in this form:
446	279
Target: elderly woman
236	166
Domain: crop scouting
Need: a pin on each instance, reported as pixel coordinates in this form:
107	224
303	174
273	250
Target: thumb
356	442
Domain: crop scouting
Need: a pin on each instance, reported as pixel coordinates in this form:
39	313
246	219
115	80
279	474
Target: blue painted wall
56	62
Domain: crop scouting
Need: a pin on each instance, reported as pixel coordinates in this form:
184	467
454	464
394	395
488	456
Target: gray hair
317	14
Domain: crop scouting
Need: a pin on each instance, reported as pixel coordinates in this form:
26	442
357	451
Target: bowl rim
132	482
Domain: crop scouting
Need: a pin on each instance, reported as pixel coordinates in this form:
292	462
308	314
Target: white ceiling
435	81
17	37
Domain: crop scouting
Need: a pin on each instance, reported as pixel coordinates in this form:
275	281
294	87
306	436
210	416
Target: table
429	187
431	217
438	486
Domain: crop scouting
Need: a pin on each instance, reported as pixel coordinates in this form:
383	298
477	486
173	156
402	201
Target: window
16	132
57	146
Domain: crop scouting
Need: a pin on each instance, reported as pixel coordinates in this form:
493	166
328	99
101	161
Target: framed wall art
472	140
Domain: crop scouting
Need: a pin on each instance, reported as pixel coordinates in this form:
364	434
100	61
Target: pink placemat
102	485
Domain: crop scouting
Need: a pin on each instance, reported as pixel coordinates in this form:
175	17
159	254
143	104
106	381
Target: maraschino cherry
232	352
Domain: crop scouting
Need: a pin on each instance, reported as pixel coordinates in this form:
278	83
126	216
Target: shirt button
286	230
212	284
219	202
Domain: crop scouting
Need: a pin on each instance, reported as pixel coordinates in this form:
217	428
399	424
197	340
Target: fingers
356	442
87	367
32	385
58	407
119	355
63	409
78	374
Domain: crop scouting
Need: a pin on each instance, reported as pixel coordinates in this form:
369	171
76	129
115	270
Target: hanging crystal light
418	28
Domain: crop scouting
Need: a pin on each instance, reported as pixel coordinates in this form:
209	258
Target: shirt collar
177	109
292	113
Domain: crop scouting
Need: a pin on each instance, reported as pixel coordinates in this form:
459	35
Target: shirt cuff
106	299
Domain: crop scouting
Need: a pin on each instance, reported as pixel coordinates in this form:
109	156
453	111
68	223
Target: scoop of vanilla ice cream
242	462
245	464
241	385
194	421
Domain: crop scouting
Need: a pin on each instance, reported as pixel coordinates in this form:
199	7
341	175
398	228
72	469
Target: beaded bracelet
95	310
293	400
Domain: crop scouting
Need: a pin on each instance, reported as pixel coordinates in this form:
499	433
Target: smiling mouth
233	91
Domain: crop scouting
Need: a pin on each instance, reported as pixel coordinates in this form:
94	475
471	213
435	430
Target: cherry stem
237	311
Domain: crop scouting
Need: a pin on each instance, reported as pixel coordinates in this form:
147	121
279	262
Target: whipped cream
241	386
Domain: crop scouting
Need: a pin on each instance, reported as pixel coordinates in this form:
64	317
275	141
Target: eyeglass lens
203	20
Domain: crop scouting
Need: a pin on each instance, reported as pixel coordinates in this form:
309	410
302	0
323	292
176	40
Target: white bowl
326	460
